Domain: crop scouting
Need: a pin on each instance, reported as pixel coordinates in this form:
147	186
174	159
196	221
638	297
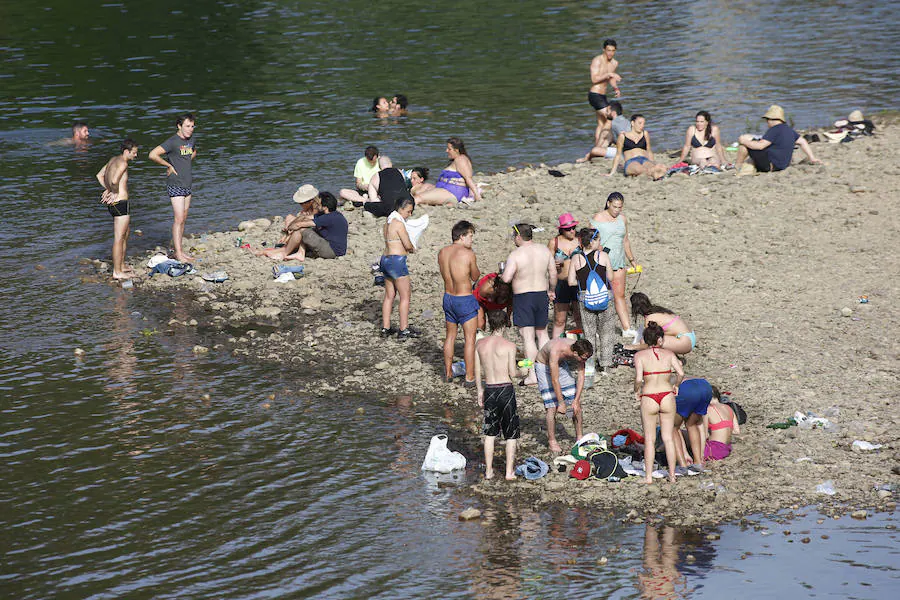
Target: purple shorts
716	450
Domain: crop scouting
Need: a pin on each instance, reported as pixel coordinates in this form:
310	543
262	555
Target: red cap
581	470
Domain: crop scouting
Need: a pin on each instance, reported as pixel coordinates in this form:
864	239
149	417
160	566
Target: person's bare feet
185	258
295	257
510	477
555	447
489	474
649	480
120	275
671	477
584	159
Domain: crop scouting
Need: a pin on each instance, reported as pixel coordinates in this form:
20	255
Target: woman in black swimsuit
634	147
704	143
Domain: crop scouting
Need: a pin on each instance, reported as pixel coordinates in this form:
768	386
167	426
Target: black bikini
710	143
629	145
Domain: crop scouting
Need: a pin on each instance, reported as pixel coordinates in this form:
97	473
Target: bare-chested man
496	358
558	387
532	271
177	154
459	270
603	72
81	136
114	179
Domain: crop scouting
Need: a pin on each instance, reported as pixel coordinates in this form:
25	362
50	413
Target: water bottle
458	368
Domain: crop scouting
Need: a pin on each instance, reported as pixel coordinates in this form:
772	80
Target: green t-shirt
364	170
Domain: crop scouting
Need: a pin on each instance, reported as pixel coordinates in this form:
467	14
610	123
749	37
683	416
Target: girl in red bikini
653	388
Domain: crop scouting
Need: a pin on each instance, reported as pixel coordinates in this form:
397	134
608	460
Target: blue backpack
595	295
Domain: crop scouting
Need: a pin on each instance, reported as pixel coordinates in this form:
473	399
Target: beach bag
605	465
440	459
595	295
587	444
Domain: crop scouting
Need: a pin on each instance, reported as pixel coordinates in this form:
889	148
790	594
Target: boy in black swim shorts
496	357
114	179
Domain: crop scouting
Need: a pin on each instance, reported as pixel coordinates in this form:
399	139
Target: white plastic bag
439	458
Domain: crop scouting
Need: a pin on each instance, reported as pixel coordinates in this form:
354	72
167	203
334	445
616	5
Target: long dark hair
641	305
459	146
612	197
708	118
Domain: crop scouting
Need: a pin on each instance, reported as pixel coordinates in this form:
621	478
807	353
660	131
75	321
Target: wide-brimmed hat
855	116
566	220
305	193
775	112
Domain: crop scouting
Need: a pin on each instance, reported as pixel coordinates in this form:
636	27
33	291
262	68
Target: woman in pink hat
564	246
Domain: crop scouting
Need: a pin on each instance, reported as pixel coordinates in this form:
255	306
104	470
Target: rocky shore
768	269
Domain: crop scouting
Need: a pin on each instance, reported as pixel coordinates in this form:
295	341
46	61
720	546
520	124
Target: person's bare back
532	267
458	268
497	357
115	188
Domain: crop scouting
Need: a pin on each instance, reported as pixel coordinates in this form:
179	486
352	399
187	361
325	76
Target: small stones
383	365
469	514
846	311
712	536
859	514
804	540
602	561
200	349
78	352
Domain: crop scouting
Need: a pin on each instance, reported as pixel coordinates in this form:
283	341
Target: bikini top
560	254
657	372
666	326
723	424
629	145
710	143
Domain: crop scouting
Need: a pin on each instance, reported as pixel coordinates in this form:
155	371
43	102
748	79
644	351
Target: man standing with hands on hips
176	154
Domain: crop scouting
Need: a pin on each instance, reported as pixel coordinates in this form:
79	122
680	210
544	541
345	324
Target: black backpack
605	465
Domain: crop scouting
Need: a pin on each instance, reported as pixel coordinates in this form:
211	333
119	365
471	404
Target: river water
141	470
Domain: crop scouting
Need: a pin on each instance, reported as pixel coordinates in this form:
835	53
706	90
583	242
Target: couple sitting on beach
318	230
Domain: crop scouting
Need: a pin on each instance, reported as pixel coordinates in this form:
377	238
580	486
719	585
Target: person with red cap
564	246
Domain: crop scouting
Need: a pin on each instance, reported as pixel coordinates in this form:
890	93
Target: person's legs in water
180	207
618	288
120	244
404	290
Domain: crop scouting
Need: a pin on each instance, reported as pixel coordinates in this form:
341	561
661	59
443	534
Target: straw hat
775	112
305	193
855	116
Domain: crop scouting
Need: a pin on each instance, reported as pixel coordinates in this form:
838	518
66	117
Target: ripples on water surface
120	479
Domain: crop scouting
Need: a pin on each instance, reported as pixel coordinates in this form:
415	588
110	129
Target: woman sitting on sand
653	369
722	423
613	227
704	143
417	179
397	246
564	246
678	337
492	293
455	185
634	147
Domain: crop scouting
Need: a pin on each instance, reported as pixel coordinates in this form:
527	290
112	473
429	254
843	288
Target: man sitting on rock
323	235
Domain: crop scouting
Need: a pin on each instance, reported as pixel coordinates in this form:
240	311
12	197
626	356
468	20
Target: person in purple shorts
177	155
459	270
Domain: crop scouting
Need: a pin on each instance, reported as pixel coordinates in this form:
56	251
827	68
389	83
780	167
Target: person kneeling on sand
558	387
654	390
496	357
774	150
323	235
722	422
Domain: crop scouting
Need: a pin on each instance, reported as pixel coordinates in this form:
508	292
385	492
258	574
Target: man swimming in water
114	179
603	72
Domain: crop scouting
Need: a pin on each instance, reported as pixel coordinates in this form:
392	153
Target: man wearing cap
772	152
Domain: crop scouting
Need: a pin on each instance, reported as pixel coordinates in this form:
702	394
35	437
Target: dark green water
119	477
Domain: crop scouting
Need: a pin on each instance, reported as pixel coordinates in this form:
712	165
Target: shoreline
760	266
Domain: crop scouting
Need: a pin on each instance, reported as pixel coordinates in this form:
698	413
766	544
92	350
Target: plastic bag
439	458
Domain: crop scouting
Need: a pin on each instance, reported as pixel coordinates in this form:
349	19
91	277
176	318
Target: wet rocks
469	514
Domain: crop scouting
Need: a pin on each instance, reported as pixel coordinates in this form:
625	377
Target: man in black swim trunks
603	72
114	179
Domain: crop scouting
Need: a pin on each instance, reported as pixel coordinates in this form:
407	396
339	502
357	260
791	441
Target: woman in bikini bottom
654	389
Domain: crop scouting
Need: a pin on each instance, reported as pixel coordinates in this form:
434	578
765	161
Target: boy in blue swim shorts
459	270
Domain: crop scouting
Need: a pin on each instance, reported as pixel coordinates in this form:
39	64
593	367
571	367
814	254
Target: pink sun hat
566	220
